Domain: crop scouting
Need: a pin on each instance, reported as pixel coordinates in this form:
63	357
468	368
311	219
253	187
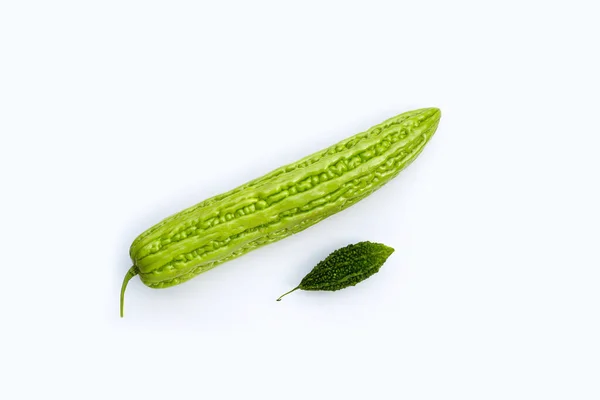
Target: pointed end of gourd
133	271
434	113
437	114
285	294
431	119
383	249
389	250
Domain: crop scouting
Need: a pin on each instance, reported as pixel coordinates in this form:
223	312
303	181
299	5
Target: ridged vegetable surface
345	267
280	203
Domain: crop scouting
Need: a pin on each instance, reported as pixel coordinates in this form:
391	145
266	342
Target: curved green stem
296	288
133	271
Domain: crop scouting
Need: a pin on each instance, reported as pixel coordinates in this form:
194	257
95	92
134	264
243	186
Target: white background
116	114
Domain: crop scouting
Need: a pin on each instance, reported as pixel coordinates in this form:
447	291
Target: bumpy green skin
347	266
281	203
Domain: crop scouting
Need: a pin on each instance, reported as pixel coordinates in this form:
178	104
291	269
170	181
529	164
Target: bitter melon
345	267
278	204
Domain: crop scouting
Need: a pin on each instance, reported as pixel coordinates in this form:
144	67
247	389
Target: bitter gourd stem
296	288
133	271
